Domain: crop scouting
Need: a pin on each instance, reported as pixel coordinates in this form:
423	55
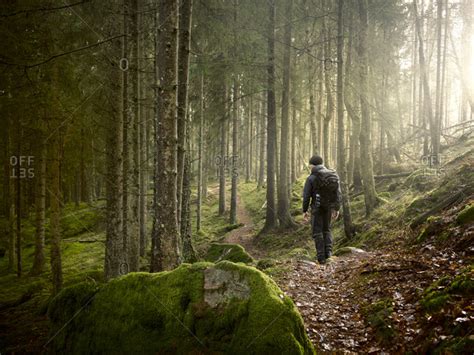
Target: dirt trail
331	298
325	298
244	235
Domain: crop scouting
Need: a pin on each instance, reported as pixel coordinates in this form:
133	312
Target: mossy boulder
203	308
466	215
227	251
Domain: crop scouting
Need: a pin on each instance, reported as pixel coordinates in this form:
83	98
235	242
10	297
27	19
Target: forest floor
369	302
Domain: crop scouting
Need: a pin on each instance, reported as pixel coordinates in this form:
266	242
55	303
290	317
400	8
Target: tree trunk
329	97
40	206
222	160
351	110
200	157
114	257
284	216
370	194
341	158
130	181
426	87
185	14
165	236
294	124
262	133
270	214
143	146
55	226
234	166
312	110
189	255
134	241
437	117
19	262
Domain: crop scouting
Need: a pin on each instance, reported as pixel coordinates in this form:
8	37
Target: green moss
378	315
441	292
228	251
299	253
458	345
170	312
265	263
466	215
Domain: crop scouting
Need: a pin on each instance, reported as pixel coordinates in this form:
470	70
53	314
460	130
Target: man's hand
306	217
335	214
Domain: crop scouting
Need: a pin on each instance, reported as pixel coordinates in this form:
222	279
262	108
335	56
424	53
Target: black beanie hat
316	160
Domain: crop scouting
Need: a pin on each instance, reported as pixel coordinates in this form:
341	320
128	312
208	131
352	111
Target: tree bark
40	206
234	166
114	256
426	87
370	194
329	97
189	255
165	236
437	116
312	110
284	216
185	15
270	214
143	145
262	133
55	200
341	158
19	262
200	156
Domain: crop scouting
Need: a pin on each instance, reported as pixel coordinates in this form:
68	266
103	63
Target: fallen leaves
331	298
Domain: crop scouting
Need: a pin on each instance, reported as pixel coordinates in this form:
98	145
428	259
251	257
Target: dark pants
321	223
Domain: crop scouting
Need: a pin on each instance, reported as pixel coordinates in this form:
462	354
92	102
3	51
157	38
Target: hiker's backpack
327	186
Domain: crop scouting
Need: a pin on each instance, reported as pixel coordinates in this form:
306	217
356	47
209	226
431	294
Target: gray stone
221	285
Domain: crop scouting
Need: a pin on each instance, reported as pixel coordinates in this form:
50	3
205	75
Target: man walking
321	191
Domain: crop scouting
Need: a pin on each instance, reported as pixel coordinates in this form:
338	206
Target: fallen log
440	206
392	176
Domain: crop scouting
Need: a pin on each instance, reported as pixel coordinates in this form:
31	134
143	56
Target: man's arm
307	193
337	205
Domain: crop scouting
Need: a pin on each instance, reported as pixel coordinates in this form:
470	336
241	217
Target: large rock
203	308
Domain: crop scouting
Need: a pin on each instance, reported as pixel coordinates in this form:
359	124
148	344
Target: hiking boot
322	261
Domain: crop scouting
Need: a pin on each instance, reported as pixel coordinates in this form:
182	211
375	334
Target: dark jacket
310	190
